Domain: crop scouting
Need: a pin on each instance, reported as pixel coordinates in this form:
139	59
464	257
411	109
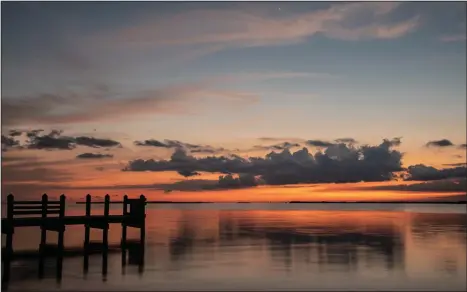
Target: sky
165	97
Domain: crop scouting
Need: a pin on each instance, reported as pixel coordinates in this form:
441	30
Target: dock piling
43	229
9	240
124	227
105	235
61	234
86	225
87	230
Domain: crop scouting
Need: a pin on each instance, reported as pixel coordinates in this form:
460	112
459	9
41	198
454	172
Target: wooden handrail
43	207
36	202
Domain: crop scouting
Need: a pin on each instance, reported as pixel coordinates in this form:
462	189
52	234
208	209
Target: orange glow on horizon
258	194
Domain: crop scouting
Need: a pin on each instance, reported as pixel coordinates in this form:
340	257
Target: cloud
393	142
55	140
228	181
319	143
8	142
208	150
50	142
285	145
95	142
449	185
33	172
259	76
193	148
187	173
222	29
461	37
241	181
338	163
151	143
280	146
98	104
15	133
456	164
424	173
278	139
93	156
191	185
439	143
33	133
346	140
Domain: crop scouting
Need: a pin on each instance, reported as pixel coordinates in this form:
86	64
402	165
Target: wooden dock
19	212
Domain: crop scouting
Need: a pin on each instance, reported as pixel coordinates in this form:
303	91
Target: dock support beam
9	241
61	235
43	229
105	235
124	226
142	210
87	229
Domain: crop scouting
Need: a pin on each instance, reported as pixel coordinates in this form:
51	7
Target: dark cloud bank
440	143
54	140
338	163
93	156
427	173
444	185
9	142
351	141
444	143
193	148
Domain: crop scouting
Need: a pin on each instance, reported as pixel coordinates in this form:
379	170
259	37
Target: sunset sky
134	97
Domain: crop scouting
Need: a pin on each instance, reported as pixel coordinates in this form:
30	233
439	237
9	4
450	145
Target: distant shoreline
295	202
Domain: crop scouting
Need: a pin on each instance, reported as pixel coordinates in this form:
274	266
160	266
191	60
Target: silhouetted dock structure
19	215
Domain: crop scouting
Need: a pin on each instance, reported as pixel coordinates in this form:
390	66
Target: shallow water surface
268	247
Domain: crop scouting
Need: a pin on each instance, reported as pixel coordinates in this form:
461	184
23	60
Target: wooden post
9	240
42	246
105	235
58	275
141	261
106	216
43	229
124	259
104	264
87	230
86	263
124	227
142	217
61	233
61	219
86	225
41	265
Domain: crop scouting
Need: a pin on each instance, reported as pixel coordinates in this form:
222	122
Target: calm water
270	247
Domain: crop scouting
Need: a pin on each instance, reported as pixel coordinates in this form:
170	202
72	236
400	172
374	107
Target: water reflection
343	246
428	226
305	249
50	261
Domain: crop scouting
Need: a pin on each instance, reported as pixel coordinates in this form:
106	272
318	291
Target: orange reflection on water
302	246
